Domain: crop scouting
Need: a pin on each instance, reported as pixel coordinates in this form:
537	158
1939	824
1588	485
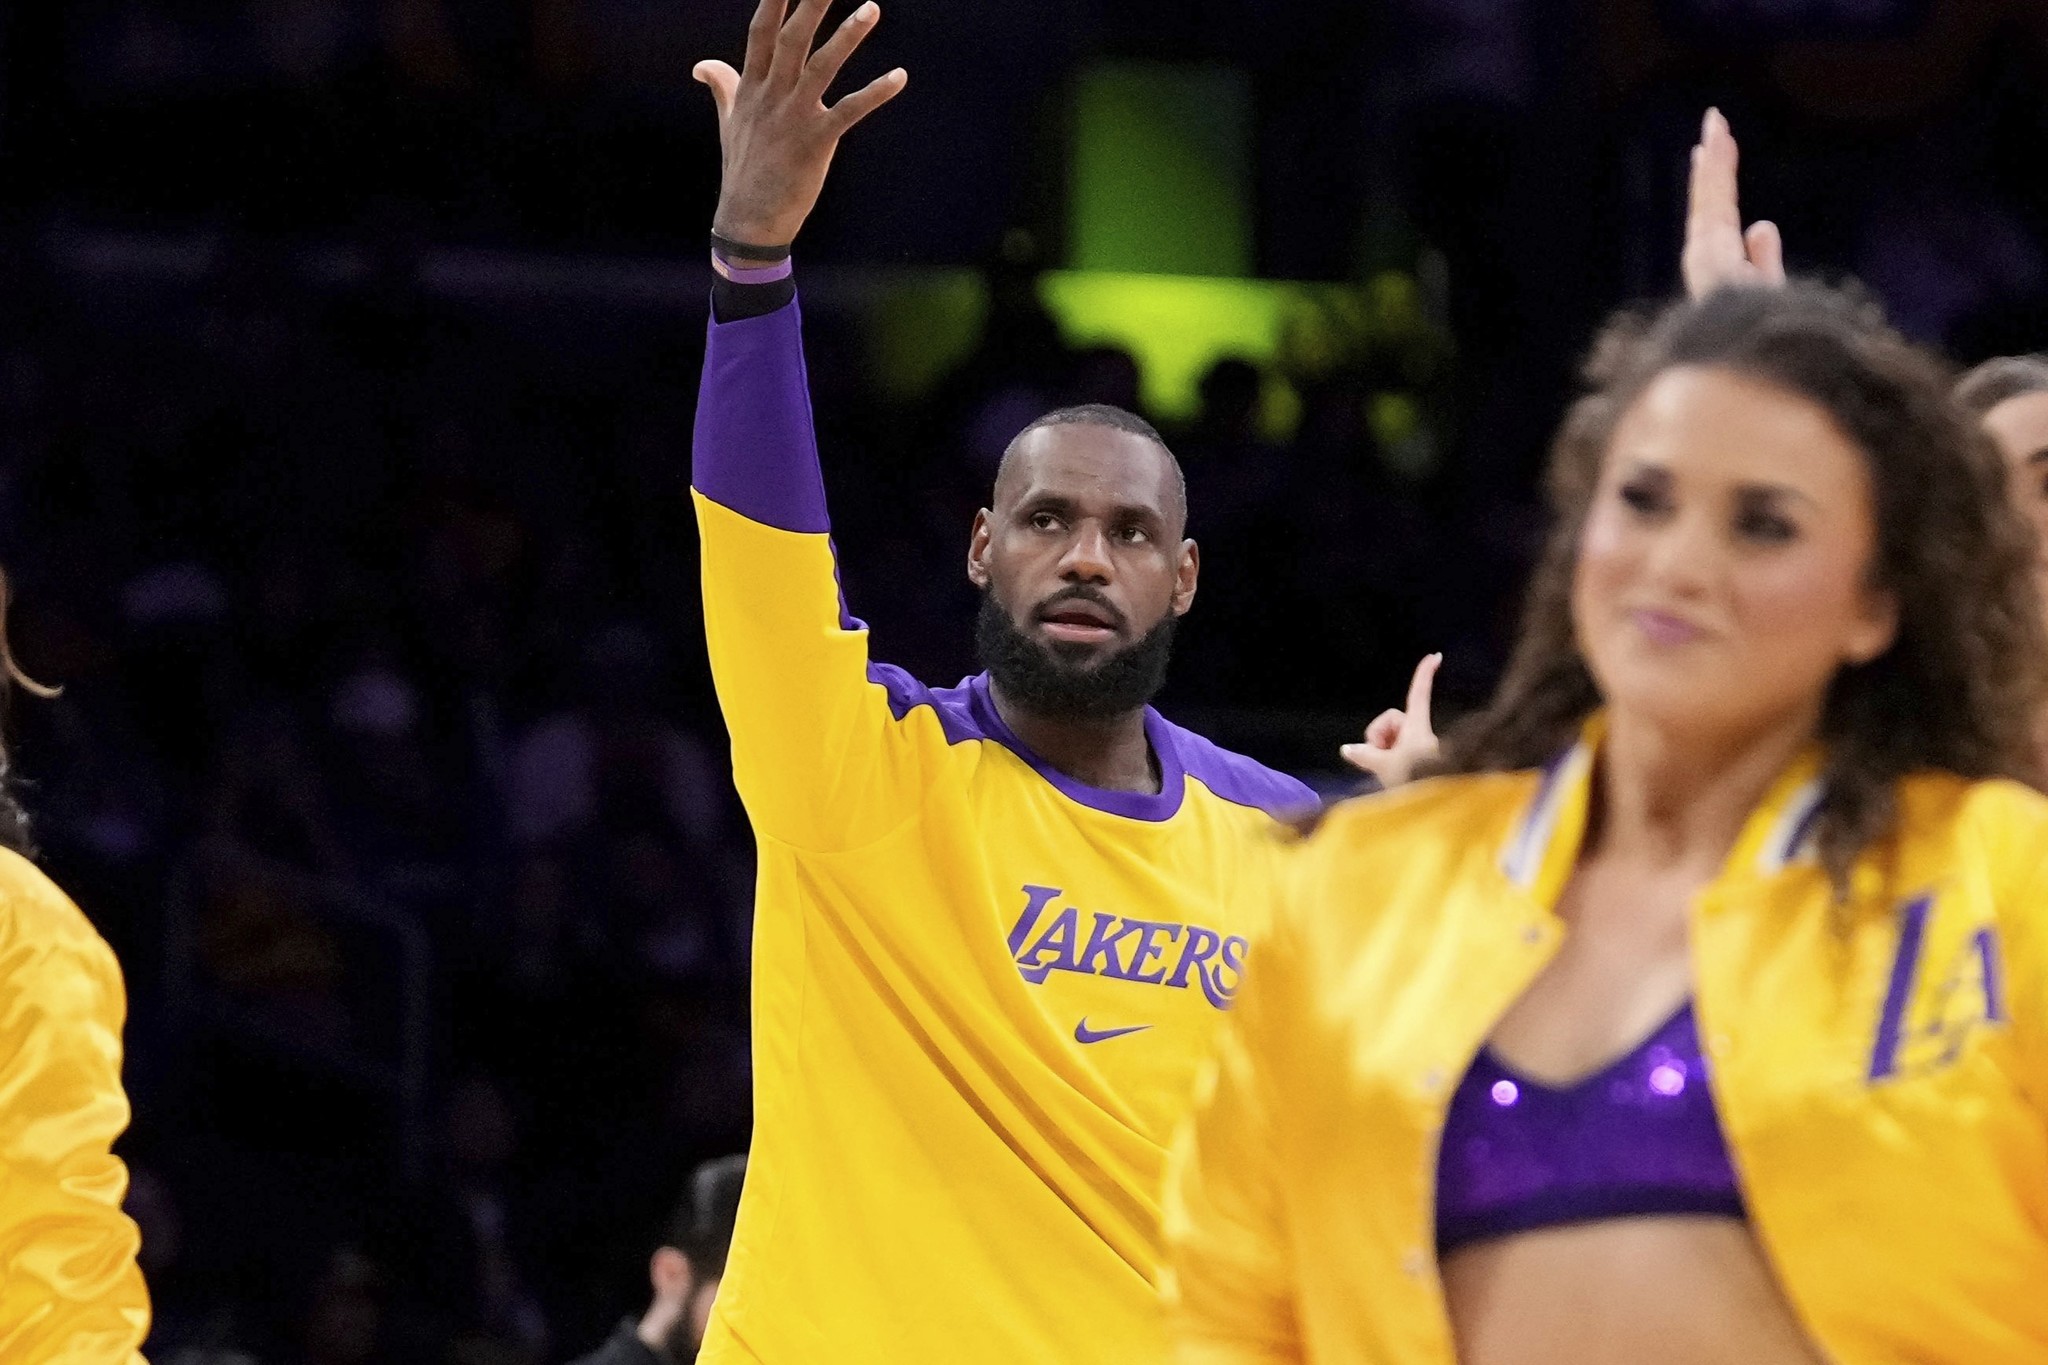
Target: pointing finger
1723	160
1714	202
1713	224
1420	688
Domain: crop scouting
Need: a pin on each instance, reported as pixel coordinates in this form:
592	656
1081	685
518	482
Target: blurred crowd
384	760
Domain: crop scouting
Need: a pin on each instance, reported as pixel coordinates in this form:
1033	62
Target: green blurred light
920	324
1161	170
1178	326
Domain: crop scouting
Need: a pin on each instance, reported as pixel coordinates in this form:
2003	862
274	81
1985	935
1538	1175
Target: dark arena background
348	352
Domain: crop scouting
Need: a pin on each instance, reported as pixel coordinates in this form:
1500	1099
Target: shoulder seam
910	817
1309	802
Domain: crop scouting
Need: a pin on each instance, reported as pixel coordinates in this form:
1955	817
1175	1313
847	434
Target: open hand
1398	742
775	131
1718	250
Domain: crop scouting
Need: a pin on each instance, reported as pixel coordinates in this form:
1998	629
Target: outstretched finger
1420	688
1365	758
868	98
1716	185
793	47
1713	221
761	32
723	81
1766	252
826	61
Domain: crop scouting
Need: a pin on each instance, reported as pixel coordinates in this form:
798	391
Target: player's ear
978	549
1185	574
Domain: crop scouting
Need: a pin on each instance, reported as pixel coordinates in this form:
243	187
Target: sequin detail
1639	1136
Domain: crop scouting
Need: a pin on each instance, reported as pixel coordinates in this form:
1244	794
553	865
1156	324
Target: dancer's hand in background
1718	249
1398	742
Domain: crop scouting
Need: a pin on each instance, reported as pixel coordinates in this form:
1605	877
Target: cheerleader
1700	1012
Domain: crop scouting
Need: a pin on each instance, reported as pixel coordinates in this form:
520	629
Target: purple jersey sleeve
755	450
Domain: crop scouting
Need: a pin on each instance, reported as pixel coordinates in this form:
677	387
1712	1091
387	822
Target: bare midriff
1668	1290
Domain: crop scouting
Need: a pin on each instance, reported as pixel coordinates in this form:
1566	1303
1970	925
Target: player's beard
1071	683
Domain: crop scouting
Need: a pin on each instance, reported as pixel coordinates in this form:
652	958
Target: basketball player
997	923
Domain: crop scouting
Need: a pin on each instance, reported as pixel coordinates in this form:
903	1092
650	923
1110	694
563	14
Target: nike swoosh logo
1084	1034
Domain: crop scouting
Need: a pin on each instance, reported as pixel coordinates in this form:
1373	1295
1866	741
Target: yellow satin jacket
70	1290
1879	1064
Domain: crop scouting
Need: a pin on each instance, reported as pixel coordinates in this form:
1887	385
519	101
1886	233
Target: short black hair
1103	415
702	1225
1097	415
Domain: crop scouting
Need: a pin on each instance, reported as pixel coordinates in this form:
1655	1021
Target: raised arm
821	757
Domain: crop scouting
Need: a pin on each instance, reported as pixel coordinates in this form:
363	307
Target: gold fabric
70	1288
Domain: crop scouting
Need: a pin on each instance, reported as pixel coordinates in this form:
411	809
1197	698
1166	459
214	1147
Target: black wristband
732	302
727	247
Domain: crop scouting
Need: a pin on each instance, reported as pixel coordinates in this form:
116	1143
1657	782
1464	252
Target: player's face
2020	427
1723	573
1083	549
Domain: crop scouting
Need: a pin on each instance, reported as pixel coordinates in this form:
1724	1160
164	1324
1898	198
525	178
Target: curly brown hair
1994	381
1962	685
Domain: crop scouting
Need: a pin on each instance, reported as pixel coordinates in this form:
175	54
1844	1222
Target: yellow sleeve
829	751
2022	854
71	1289
818	754
1228	1285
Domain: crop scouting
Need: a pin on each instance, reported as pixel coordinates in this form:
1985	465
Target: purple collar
1132	805
967	713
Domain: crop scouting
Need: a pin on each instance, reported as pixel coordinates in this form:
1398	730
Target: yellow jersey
981	990
70	1290
1879	1066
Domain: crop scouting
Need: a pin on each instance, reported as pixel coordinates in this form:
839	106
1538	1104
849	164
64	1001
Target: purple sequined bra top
1639	1136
